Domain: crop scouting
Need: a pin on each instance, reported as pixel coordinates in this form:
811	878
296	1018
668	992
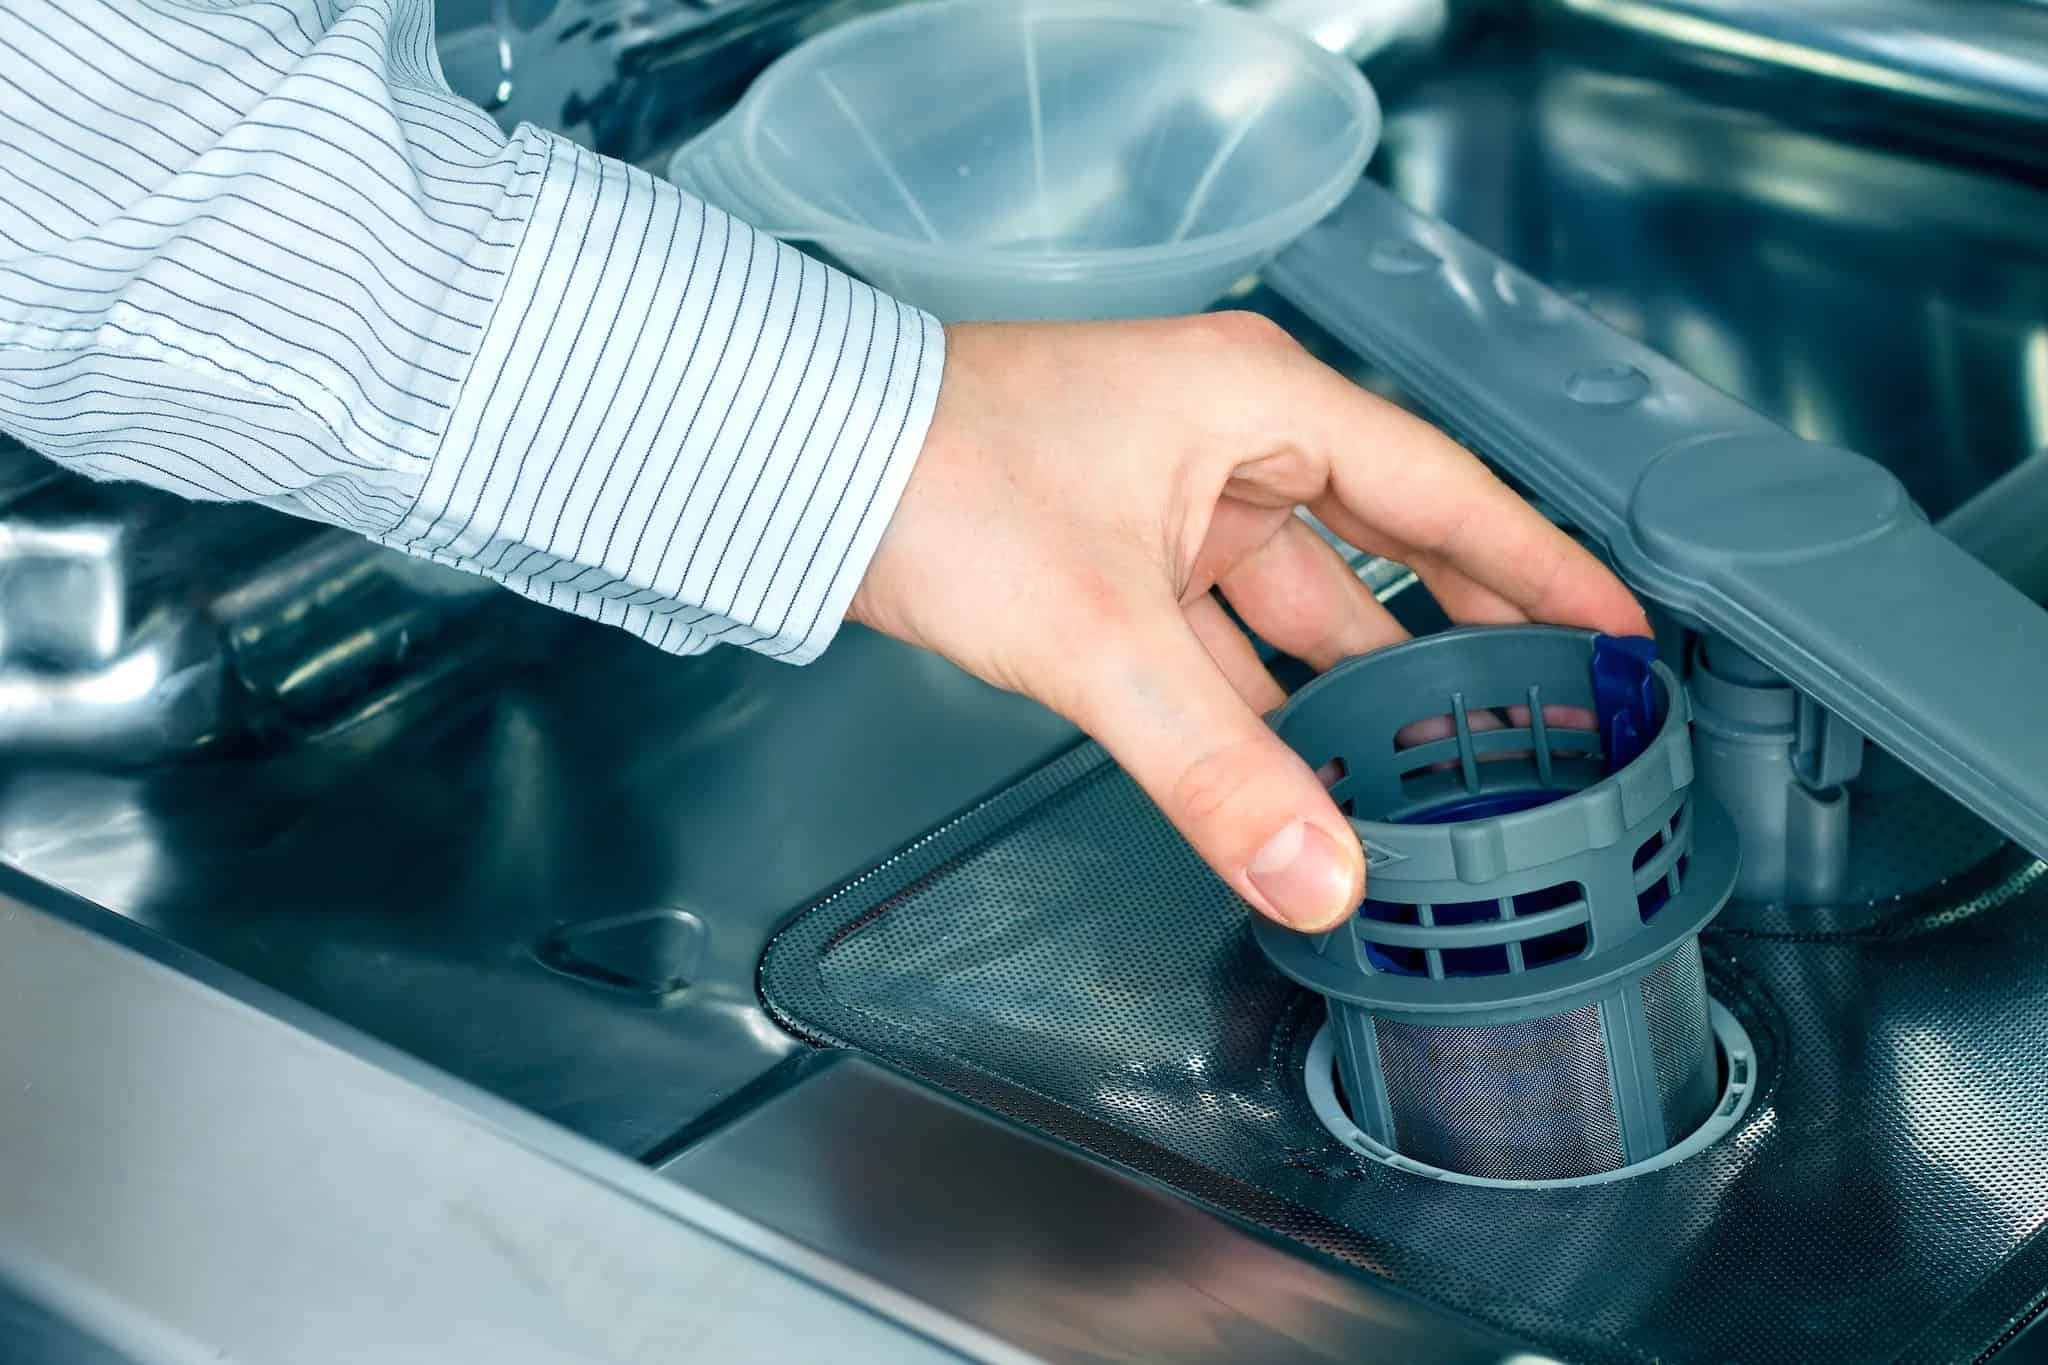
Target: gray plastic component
1826	750
2003	526
1588	838
1776	762
1811	558
1520	995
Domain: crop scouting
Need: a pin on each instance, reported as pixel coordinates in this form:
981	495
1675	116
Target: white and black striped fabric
257	250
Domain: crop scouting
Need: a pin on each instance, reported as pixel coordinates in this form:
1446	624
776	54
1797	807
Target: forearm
260	252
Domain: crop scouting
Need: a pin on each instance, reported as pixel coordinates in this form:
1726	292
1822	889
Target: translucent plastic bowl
991	159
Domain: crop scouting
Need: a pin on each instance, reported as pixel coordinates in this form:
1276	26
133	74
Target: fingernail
1304	876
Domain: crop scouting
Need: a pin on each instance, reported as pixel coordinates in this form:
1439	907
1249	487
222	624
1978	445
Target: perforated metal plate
1059	955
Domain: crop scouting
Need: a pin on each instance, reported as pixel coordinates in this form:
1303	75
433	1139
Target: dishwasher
898	985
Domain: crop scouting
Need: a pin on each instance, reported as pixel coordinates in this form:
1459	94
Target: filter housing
1521	995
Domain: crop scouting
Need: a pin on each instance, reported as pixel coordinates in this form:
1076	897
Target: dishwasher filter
1521	996
1059	956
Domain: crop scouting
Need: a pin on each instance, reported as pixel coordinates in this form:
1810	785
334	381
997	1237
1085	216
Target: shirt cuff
676	424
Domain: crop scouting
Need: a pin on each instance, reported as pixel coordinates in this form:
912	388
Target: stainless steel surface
629	77
404	876
158	698
39	1331
413	860
339	630
62	596
2029	1344
102	658
1981	57
1360	31
198	1171
1068	1259
137	629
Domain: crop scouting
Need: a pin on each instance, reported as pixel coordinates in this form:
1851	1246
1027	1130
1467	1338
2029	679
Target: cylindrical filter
1520	996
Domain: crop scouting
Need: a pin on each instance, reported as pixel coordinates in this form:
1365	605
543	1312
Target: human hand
1084	486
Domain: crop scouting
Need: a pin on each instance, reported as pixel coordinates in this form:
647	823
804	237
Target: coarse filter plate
1059	955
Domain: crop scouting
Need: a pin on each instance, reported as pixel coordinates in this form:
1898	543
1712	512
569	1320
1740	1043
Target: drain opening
1736	1068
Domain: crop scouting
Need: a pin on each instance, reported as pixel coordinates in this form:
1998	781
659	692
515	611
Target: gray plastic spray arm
1810	557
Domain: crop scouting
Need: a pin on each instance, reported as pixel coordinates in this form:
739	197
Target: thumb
1247	803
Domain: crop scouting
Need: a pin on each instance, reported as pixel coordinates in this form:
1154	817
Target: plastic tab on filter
1624	696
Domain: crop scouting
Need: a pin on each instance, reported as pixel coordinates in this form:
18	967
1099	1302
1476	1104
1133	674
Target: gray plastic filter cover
1521	994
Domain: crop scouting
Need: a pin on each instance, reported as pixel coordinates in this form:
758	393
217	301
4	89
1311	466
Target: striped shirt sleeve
257	250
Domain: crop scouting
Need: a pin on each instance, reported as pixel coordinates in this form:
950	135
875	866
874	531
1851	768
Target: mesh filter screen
1525	1101
1061	957
1681	1042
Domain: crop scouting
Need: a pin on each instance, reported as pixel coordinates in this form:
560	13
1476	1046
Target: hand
1085	485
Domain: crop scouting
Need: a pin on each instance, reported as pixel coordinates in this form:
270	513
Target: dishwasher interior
683	907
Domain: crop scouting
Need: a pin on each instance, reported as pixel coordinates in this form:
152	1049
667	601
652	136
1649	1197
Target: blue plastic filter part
1624	697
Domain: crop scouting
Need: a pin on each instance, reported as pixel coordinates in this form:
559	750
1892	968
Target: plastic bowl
991	159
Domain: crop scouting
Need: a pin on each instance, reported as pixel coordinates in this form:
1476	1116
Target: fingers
1299	595
1463	600
1394	478
1430	728
1248	805
1557	717
1233	654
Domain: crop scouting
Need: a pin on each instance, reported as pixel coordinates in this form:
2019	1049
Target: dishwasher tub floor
1059	955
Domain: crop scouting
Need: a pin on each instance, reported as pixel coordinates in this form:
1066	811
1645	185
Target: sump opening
1735	1056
